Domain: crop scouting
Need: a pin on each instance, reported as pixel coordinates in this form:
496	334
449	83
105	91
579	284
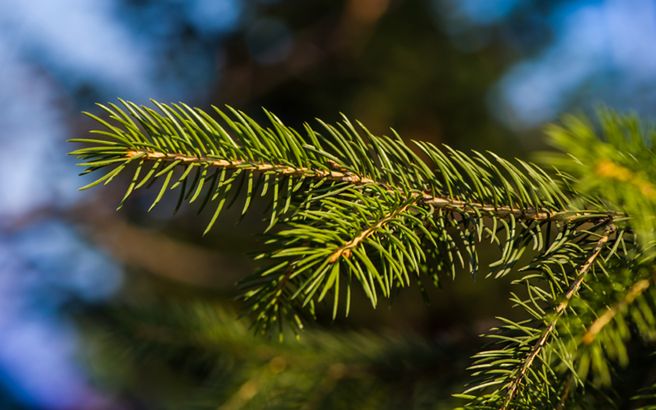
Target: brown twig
341	175
345	250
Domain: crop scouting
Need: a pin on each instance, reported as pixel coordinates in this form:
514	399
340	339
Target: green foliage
613	165
349	208
325	370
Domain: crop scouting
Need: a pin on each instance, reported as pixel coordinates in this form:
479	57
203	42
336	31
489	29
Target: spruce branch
190	138
343	166
532	360
352	209
607	317
582	271
618	311
259	167
340	174
346	249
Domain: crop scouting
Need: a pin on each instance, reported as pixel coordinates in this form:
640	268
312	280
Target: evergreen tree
352	211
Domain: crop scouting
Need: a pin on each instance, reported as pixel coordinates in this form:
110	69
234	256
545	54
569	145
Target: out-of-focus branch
160	254
145	249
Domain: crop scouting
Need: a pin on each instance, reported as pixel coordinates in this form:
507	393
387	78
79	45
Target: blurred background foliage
82	288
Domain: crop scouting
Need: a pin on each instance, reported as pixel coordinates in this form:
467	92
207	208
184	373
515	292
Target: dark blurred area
471	73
